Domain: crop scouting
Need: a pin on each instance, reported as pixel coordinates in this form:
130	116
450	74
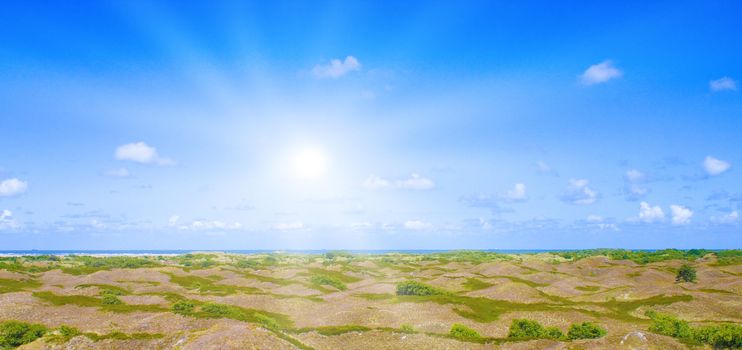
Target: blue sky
370	125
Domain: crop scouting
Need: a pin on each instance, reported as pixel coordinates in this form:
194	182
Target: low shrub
459	331
109	299
324	280
553	333
585	330
524	328
183	307
530	329
722	336
15	333
406	328
417	288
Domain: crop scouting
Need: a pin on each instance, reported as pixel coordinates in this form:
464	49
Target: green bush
109	299
524	328
266	321
686	273
585	330
14	333
669	325
553	333
183	307
407	328
723	336
417	288
459	331
324	280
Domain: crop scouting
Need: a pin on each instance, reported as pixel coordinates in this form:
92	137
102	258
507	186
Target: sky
370	125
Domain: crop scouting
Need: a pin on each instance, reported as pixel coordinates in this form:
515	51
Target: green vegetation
406	328
335	330
417	288
530	329
588	288
322	280
83	265
722	336
523	329
183	307
105	289
475	284
107	302
459	331
645	257
109	299
14	334
123	336
63	334
208	286
585	330
10	285
686	273
728	257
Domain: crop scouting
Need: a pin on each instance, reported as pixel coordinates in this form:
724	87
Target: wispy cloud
418	225
722	84
289	226
578	192
633	189
12	187
140	152
413	182
729	218
118	172
600	73
6	220
336	68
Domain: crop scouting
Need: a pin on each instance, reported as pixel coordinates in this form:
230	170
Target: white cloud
336	68
120	172
289	226
680	215
140	152
517	193
730	218
714	166
12	187
600	73
649	214
723	83
612	227
417	225
6	220
374	182
358	226
634	176
414	182
199	225
578	192
173	220
594	218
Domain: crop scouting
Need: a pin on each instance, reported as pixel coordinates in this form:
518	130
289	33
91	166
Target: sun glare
310	163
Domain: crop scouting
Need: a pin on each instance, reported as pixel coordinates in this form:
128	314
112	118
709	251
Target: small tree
585	330
686	273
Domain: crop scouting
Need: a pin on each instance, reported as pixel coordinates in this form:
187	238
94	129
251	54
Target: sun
310	163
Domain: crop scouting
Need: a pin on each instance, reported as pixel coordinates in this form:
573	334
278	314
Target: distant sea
258	251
